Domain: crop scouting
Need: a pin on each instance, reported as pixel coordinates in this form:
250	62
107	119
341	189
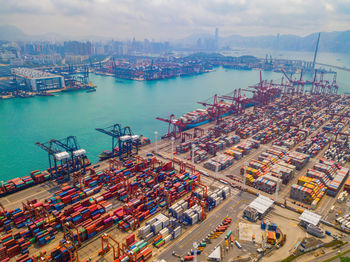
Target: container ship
200	117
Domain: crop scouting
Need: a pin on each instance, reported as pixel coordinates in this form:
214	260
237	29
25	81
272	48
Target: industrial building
258	208
36	80
308	217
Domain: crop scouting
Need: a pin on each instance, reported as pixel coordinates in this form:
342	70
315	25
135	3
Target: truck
238	244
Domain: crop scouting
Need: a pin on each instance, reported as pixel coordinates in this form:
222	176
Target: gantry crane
175	126
295	86
198	132
123	141
60	158
37	212
215	108
77	154
238	101
69	234
322	86
106	246
71	254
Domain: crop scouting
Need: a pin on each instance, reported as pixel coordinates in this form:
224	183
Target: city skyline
170	20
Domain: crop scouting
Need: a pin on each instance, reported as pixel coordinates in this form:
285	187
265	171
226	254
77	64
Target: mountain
336	41
10	32
329	41
13	33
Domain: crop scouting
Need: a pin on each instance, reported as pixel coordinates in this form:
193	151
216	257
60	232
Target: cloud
169	19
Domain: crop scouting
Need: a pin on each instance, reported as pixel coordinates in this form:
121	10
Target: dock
136	197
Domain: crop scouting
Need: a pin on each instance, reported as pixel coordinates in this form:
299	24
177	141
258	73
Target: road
231	207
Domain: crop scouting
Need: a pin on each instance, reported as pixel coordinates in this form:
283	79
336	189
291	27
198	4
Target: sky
174	19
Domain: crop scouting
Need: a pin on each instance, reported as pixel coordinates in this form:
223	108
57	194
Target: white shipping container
151	221
148	236
167	238
164	232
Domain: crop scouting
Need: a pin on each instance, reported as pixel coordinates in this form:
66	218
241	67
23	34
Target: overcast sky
167	20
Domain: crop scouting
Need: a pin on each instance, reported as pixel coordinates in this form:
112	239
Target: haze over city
179	130
169	20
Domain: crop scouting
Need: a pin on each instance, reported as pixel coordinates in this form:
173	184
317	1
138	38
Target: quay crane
68	153
298	83
77	154
215	108
58	158
322	86
175	127
238	102
123	140
263	92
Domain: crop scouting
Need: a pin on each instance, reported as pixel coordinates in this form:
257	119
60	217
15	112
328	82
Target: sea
25	121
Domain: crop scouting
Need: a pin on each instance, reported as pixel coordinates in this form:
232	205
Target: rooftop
261	204
310	217
32	73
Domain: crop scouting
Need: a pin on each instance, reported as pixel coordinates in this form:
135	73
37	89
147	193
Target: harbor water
129	103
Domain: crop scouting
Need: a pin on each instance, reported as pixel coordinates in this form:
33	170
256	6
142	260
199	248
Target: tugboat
105	155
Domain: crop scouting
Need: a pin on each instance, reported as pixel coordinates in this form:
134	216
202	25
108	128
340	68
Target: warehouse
258	208
308	217
38	81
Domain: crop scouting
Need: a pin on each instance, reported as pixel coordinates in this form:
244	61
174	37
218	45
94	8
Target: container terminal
259	178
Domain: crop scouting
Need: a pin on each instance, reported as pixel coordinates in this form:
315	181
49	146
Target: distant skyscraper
216	38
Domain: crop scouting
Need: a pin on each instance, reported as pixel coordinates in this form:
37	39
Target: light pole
193	146
172	147
244	175
195	246
155	141
277	189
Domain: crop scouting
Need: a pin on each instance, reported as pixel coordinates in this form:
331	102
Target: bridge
336	67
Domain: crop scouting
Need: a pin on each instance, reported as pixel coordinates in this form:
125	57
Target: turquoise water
130	103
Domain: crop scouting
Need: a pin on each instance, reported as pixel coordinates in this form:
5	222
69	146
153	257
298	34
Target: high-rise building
216	38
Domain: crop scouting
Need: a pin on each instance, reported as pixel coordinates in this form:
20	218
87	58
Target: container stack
265	185
299	160
219	162
86	207
11	246
313	145
283	172
326	169
335	185
312	173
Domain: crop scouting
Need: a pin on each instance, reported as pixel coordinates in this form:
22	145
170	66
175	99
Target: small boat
91	90
45	94
25	95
